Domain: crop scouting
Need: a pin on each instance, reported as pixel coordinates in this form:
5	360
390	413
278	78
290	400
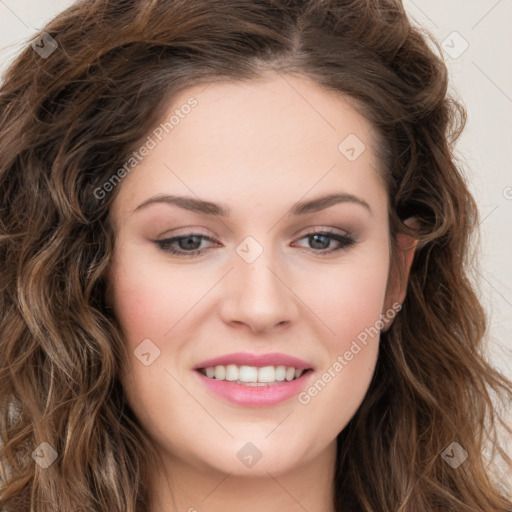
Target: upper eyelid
309	231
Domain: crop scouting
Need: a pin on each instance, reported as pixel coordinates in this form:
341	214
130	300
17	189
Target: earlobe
406	250
406	245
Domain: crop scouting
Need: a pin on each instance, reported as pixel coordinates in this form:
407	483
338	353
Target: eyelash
345	243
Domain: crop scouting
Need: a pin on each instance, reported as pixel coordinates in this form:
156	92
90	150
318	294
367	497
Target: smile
246	390
252	375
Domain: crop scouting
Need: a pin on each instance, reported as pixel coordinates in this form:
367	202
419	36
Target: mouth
254	380
255	376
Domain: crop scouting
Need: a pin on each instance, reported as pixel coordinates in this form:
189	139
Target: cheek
147	300
134	305
351	307
349	299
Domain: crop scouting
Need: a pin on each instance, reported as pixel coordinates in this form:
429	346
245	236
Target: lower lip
255	396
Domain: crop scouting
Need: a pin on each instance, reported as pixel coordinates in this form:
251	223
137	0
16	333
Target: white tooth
280	373
248	374
290	373
231	372
253	375
266	374
220	372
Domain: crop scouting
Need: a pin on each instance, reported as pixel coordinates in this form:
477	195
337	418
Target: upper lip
248	359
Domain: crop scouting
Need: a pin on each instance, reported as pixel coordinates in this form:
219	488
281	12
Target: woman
236	253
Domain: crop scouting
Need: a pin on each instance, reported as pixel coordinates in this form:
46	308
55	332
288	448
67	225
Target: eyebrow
209	208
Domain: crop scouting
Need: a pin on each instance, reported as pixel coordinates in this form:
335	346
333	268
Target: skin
259	147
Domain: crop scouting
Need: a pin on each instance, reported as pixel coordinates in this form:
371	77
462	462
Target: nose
258	295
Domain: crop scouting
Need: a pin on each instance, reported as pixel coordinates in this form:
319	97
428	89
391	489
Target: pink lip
256	396
248	359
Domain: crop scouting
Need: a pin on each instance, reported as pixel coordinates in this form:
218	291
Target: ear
399	277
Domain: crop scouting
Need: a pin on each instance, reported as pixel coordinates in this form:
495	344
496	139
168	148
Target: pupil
315	240
189	240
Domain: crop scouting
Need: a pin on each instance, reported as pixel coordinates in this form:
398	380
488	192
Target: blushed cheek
353	351
142	307
136	301
350	306
150	304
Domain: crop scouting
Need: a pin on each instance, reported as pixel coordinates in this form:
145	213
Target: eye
321	240
189	244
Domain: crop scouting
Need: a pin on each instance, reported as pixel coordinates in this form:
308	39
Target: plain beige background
476	36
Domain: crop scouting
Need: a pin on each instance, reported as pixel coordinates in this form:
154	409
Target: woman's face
262	284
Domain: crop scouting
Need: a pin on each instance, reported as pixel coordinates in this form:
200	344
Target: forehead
276	137
278	114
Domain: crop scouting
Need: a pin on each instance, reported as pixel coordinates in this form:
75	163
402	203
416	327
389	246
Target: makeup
249	395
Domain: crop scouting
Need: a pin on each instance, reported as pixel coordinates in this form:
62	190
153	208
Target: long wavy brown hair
69	120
